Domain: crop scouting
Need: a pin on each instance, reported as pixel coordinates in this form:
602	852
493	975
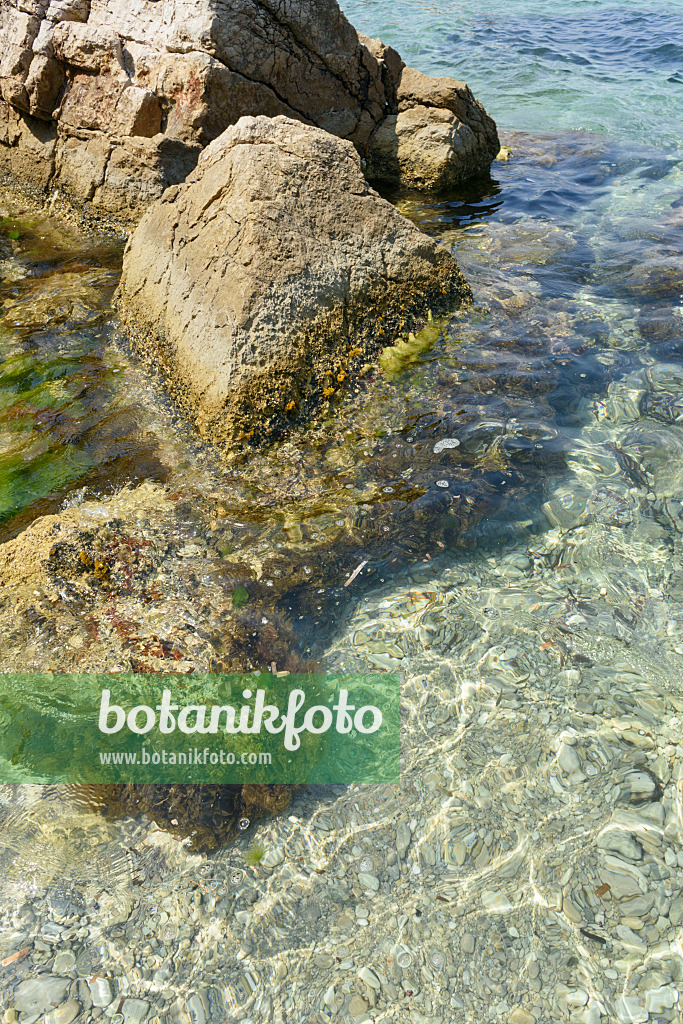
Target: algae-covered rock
261	283
206	816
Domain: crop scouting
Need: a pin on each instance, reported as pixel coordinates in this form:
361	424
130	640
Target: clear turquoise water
603	67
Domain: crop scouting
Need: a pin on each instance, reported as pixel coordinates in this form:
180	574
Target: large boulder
262	282
440	135
113	100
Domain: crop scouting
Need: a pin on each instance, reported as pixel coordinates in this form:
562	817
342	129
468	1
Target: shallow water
526	582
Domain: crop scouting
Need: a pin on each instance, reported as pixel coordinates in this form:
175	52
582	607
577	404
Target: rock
94	48
180	74
439	136
630	1010
64	961
134	1010
391	67
467	942
576	997
520	1016
274	856
568	759
630	939
64	1014
44	83
369	978
357	1006
198	1007
100	991
638	906
676	911
403	839
659	999
496	901
41	994
369	881
459	852
623	878
260	283
619	841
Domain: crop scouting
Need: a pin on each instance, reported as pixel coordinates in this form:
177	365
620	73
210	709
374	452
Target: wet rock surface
114	103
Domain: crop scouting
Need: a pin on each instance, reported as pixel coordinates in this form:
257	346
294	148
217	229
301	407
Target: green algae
408	349
255	855
240	596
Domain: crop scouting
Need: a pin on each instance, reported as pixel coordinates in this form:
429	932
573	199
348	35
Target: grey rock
369	978
676	911
134	1010
64	1014
659	999
403	839
198	1008
630	1010
273	857
41	994
568	759
100	992
620	842
368	880
65	961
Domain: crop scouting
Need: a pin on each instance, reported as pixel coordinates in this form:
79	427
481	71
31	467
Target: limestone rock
87	47
391	66
182	71
261	282
439	136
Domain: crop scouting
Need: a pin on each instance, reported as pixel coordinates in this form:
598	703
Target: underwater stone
100	991
134	1010
64	1014
630	1010
38	995
260	284
659	999
568	759
403	839
369	881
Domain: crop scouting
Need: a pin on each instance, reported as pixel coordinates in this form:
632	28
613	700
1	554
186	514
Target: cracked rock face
261	283
113	100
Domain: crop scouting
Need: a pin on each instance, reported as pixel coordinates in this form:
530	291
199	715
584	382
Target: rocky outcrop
440	135
261	283
113	100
